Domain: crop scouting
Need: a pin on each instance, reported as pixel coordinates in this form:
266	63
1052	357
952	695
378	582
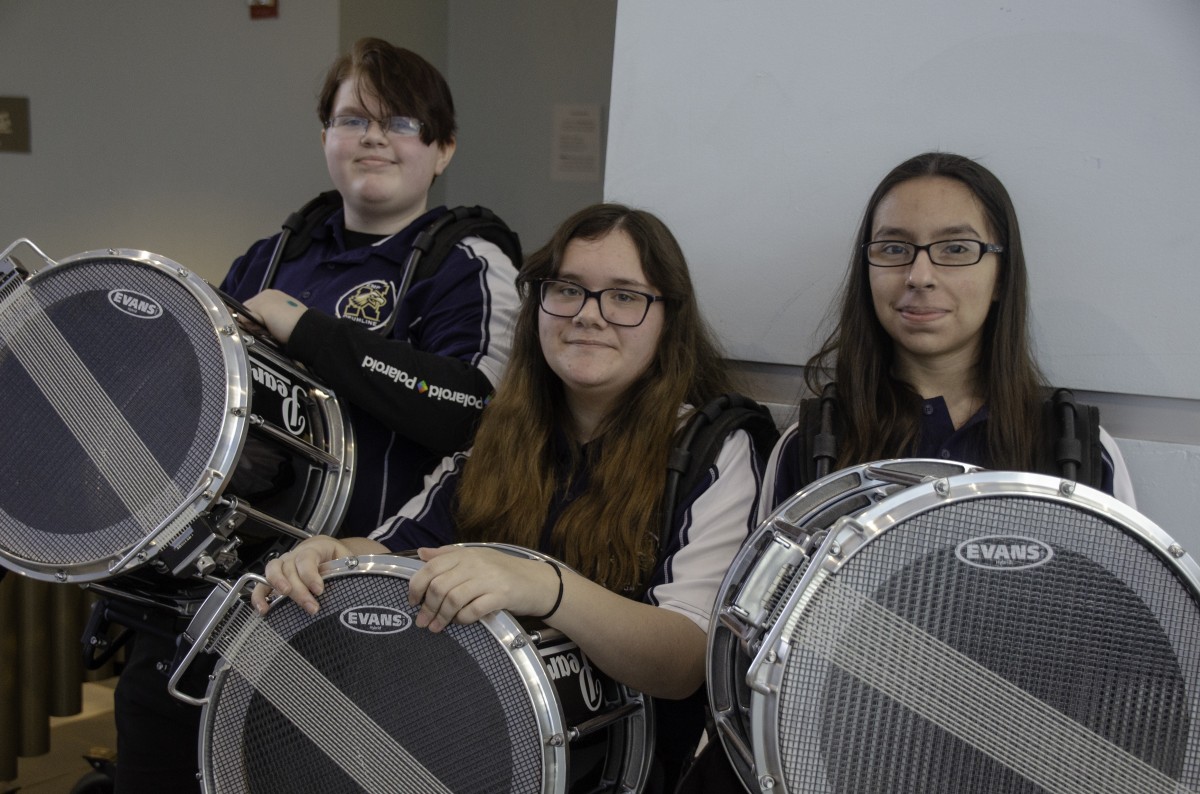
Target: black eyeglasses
947	253
618	306
403	126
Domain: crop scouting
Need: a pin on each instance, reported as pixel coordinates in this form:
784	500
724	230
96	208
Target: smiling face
597	361
384	179
935	315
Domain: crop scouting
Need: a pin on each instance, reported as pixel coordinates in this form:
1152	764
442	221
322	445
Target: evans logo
371	619
1004	552
135	304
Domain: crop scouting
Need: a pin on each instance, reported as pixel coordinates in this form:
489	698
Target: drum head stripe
966	699
103	432
353	741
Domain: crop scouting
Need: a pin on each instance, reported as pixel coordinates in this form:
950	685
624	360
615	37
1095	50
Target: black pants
157	734
711	774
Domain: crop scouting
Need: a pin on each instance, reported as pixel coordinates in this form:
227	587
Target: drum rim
227	449
507	632
637	773
856	533
721	682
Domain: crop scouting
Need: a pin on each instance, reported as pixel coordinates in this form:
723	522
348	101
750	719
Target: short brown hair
405	83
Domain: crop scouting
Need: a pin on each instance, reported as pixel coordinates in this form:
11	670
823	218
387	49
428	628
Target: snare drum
147	439
357	698
958	631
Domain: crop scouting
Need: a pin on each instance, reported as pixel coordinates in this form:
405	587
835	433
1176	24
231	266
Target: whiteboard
758	129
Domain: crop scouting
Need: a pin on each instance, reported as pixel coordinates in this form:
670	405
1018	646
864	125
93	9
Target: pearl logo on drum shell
291	410
135	304
1004	552
374	619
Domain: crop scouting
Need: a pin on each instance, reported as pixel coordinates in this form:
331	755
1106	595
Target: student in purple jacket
931	352
414	370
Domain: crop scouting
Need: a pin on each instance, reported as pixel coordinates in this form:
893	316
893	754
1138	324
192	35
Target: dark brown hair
880	413
405	83
609	533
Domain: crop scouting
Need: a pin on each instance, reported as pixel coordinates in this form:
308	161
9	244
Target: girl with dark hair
931	352
570	458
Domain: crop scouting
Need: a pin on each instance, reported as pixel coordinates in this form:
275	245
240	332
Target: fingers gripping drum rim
357	697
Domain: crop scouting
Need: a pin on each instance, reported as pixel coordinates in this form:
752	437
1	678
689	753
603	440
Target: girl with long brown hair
570	458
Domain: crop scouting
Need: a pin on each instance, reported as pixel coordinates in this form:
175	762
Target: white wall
758	130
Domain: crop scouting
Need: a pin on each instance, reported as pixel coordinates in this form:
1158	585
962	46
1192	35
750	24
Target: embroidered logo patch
369	303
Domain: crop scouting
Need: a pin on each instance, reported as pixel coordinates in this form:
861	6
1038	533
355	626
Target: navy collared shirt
939	439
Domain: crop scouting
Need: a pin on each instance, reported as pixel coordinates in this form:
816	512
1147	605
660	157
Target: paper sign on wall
576	154
14	124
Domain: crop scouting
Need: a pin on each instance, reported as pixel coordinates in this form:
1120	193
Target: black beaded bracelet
558	600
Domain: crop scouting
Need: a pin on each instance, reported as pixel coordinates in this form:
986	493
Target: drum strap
435	242
430	248
1070	448
700	442
1076	449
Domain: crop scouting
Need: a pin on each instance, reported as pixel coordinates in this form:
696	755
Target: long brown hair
880	414
609	533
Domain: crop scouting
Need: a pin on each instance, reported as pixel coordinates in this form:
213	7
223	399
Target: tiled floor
90	732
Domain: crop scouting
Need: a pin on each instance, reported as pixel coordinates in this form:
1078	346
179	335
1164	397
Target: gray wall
188	130
179	128
510	63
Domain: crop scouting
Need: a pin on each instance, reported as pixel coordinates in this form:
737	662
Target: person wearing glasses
387	131
609	353
931	351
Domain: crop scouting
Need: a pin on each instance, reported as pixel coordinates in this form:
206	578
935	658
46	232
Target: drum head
116	389
988	633
401	708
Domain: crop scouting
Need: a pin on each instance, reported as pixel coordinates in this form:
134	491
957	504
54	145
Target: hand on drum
461	585
296	575
274	313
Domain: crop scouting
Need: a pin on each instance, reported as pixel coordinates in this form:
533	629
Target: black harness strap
1070	449
700	442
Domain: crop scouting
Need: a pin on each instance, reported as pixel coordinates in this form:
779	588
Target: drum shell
795	532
